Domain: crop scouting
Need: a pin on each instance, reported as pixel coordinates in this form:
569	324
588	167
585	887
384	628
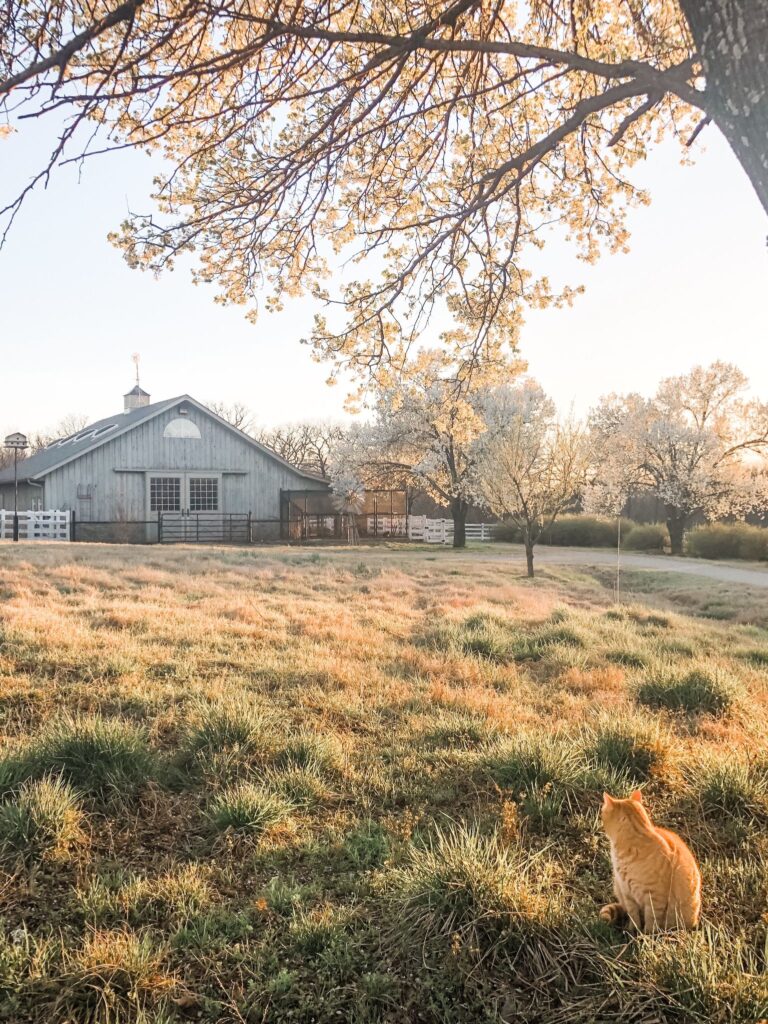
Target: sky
693	288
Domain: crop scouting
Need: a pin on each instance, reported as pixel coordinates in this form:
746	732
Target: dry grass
363	786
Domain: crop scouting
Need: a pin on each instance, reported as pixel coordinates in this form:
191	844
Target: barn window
203	494
165	494
182	428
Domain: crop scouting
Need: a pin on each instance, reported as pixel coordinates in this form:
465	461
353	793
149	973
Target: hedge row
593	532
728	540
718	540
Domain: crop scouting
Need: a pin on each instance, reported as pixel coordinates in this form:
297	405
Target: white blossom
697	445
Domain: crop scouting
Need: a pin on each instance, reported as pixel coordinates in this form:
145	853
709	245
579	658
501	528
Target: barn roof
94	435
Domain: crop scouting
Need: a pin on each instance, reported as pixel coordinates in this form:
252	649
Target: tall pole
16	494
618	560
19	443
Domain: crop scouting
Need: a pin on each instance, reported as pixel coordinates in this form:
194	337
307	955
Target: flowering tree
440	137
530	467
423	432
349	500
698	445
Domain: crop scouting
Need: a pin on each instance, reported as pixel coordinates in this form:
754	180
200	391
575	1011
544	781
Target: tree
436	136
698	445
68	425
310	446
530	467
423	433
236	413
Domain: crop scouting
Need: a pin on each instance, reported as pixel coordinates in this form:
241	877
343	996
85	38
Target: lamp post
18	443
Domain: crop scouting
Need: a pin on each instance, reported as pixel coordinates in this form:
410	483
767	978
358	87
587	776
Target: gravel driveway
725	572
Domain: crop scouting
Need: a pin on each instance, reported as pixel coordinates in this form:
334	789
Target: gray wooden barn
173	463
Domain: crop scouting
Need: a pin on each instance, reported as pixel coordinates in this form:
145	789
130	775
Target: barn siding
254	484
27	494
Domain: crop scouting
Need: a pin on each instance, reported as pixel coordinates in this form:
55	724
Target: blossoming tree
698	445
530	466
423	432
431	141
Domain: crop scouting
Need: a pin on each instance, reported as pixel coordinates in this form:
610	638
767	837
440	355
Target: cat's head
615	812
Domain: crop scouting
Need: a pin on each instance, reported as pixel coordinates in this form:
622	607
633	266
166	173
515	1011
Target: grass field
284	785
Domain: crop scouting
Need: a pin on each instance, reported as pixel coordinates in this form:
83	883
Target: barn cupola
136	398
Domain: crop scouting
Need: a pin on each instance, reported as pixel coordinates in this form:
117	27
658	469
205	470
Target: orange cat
655	876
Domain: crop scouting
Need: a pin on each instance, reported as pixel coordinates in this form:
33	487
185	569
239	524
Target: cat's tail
613	913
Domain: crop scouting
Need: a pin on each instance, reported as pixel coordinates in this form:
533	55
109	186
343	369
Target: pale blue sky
692	289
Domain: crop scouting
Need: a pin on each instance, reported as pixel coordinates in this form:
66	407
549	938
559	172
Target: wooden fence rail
50	524
440	531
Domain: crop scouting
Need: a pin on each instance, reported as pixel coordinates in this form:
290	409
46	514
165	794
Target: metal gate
204	528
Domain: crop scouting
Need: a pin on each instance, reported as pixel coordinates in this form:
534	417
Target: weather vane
135	358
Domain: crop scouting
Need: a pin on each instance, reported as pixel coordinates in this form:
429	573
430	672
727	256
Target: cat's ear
637	796
607	800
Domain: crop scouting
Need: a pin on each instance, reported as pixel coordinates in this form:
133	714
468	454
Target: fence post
159	527
73	526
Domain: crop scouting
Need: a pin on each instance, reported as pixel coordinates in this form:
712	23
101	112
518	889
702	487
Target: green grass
698	691
639	753
248	810
107	759
472	891
43	821
266	785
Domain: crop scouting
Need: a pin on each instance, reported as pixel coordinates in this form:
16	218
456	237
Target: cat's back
685	884
679	849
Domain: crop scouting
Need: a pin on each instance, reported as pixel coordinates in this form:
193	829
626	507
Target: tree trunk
459	513
731	38
676	527
529	555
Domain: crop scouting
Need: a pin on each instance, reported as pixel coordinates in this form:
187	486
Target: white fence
440	531
44	525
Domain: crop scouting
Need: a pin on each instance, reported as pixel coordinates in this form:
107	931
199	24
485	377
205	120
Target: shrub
639	753
728	540
696	691
474	889
646	537
584	532
105	758
572	531
43	822
247	809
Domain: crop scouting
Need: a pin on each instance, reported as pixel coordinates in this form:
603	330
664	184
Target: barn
169	470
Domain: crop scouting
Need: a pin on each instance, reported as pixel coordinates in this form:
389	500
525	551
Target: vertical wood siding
253	486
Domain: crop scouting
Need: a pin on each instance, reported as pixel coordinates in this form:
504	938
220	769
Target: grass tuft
116	977
470	889
697	692
732	789
42	822
639	752
248	810
105	758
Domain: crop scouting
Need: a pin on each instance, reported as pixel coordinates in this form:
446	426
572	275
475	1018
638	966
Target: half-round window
182	427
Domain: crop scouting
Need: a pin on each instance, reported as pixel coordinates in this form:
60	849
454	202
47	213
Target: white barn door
189	503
